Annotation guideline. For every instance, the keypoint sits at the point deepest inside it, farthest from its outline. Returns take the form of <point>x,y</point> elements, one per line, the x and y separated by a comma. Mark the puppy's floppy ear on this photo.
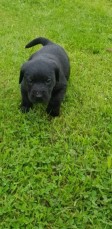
<point>23,67</point>
<point>57,74</point>
<point>21,75</point>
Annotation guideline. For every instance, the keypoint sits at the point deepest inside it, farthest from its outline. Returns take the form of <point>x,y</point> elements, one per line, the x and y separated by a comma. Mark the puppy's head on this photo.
<point>38,79</point>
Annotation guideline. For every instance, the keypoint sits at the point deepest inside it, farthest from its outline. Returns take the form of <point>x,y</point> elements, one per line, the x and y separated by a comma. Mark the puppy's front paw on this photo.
<point>52,111</point>
<point>24,109</point>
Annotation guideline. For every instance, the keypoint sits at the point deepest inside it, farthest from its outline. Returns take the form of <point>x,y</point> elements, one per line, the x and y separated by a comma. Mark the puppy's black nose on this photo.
<point>38,95</point>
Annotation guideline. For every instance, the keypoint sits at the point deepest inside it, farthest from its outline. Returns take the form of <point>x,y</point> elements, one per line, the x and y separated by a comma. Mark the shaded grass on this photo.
<point>56,173</point>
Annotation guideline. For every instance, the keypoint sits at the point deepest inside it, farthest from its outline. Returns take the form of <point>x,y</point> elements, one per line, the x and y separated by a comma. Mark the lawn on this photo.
<point>56,172</point>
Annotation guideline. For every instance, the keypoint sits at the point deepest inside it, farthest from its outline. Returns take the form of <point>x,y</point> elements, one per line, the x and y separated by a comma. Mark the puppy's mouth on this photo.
<point>39,98</point>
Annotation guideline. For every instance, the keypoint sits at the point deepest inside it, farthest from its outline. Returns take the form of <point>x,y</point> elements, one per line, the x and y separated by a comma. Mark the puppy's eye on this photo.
<point>48,81</point>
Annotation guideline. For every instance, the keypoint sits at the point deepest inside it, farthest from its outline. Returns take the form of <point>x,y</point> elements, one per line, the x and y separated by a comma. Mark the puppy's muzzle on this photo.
<point>38,96</point>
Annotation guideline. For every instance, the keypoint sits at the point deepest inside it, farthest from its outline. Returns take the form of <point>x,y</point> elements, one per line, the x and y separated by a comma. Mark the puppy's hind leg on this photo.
<point>25,103</point>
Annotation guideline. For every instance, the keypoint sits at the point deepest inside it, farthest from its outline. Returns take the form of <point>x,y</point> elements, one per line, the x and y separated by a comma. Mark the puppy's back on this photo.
<point>51,51</point>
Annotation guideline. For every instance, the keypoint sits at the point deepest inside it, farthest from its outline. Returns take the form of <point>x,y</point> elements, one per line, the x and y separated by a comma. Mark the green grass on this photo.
<point>56,173</point>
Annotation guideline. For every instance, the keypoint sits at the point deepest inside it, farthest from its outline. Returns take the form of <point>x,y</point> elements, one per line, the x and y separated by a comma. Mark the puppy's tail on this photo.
<point>39,40</point>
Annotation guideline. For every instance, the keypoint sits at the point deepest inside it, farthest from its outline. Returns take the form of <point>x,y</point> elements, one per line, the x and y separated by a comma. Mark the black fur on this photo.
<point>44,76</point>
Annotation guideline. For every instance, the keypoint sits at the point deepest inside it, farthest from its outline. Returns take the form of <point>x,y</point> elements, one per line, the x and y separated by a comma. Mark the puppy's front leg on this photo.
<point>25,104</point>
<point>53,107</point>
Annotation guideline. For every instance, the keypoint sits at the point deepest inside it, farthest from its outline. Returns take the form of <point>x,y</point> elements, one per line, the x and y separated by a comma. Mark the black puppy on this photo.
<point>44,76</point>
